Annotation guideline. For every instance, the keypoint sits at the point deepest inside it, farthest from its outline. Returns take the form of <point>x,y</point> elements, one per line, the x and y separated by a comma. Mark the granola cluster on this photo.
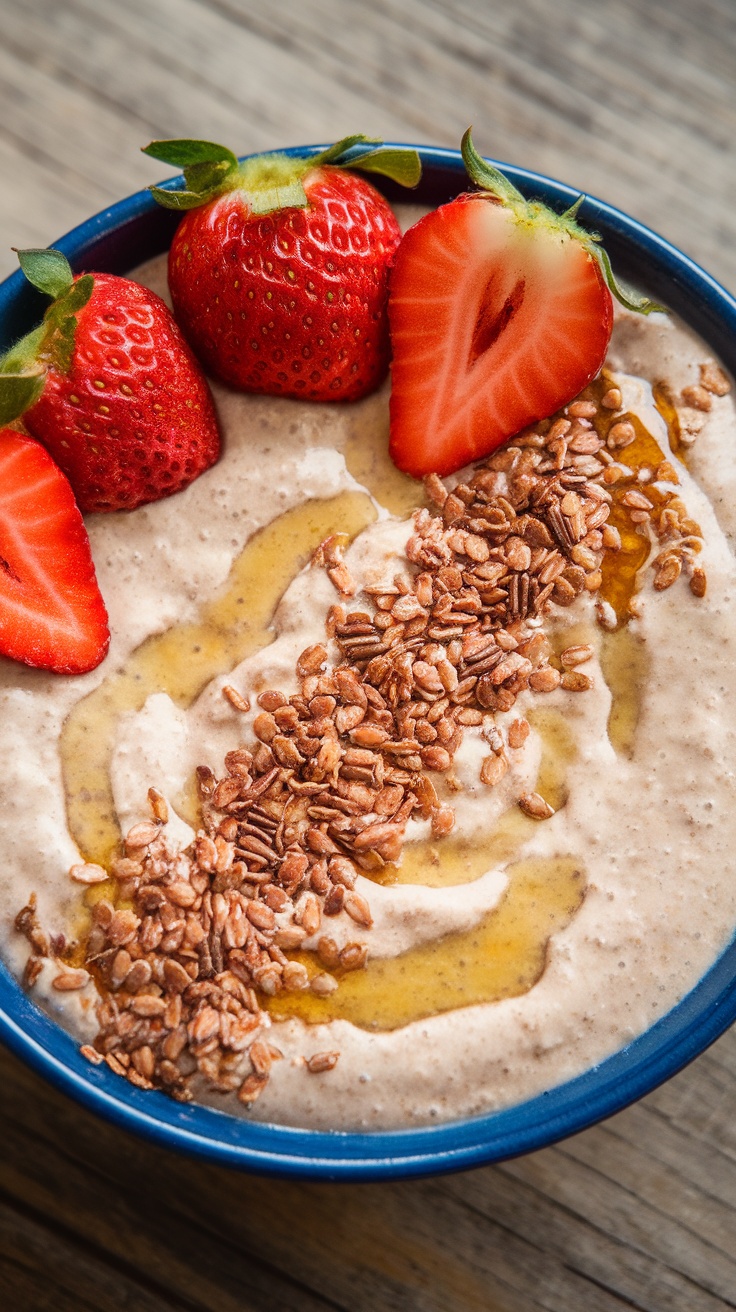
<point>195,942</point>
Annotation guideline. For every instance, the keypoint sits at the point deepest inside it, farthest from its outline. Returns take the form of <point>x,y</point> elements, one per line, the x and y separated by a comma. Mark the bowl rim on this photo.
<point>679,1036</point>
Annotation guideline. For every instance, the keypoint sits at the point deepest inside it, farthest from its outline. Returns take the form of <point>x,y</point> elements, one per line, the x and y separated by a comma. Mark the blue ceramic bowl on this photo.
<point>116,240</point>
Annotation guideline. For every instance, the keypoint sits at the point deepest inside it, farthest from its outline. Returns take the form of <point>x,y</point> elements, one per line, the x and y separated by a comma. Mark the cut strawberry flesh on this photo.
<point>496,321</point>
<point>51,612</point>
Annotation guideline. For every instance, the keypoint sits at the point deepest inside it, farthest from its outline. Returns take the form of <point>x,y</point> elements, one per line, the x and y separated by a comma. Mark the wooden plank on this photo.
<point>450,1244</point>
<point>566,91</point>
<point>532,102</point>
<point>39,205</point>
<point>704,1110</point>
<point>196,1226</point>
<point>111,1195</point>
<point>45,1271</point>
<point>604,1235</point>
<point>700,1165</point>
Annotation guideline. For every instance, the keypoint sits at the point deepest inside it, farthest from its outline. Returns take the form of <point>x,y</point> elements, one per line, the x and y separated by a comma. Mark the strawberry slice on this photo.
<point>500,312</point>
<point>51,612</point>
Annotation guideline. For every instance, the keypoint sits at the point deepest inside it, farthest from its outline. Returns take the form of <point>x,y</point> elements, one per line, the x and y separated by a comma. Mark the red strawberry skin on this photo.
<point>52,615</point>
<point>133,420</point>
<point>291,303</point>
<point>496,322</point>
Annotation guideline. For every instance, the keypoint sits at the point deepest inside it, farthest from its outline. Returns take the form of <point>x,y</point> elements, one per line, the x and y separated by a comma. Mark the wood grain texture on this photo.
<point>631,100</point>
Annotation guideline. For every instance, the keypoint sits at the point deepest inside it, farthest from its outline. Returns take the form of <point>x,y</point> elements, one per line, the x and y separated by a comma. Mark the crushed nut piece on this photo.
<point>697,397</point>
<point>714,380</point>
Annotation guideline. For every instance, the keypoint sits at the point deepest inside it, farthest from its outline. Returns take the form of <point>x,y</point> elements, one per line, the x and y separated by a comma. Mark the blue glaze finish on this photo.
<point>116,240</point>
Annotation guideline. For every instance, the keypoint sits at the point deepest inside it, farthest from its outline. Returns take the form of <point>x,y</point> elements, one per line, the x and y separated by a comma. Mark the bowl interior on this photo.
<point>117,240</point>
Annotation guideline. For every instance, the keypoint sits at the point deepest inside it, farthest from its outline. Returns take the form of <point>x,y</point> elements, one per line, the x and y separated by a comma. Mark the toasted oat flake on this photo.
<point>141,835</point>
<point>698,397</point>
<point>698,582</point>
<point>574,681</point>
<point>92,1055</point>
<point>493,770</point>
<point>518,733</point>
<point>235,698</point>
<point>322,1061</point>
<point>621,434</point>
<point>578,655</point>
<point>88,873</point>
<point>533,805</point>
<point>159,805</point>
<point>667,572</point>
<point>69,981</point>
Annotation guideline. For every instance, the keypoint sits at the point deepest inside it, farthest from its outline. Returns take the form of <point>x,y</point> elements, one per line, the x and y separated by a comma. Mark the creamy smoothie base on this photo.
<point>516,951</point>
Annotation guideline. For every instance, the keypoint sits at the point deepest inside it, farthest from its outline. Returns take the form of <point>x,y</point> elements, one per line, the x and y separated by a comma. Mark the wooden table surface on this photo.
<point>632,100</point>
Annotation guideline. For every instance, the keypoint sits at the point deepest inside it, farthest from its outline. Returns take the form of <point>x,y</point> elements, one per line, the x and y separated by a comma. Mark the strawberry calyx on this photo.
<point>274,181</point>
<point>23,369</point>
<point>491,180</point>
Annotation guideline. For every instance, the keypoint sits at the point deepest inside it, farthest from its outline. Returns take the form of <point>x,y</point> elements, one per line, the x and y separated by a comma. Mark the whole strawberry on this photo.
<point>279,271</point>
<point>110,387</point>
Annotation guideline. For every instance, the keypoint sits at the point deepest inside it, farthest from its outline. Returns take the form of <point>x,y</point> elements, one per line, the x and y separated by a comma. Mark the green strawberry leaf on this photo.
<point>79,294</point>
<point>23,367</point>
<point>271,181</point>
<point>60,324</point>
<point>572,212</point>
<point>630,299</point>
<point>22,357</point>
<point>204,178</point>
<point>18,392</point>
<point>487,177</point>
<point>60,342</point>
<point>183,152</point>
<point>181,200</point>
<point>48,270</point>
<point>333,153</point>
<point>402,166</point>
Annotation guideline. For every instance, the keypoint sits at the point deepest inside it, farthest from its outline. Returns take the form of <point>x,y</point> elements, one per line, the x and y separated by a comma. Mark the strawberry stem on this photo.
<point>490,179</point>
<point>630,299</point>
<point>275,181</point>
<point>487,177</point>
<point>23,368</point>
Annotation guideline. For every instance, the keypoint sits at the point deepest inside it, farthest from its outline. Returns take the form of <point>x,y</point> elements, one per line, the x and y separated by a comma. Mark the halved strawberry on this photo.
<point>51,612</point>
<point>500,312</point>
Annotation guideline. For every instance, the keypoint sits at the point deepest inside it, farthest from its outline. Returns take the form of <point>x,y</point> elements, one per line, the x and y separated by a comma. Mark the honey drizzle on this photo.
<point>625,665</point>
<point>502,956</point>
<point>365,449</point>
<point>182,660</point>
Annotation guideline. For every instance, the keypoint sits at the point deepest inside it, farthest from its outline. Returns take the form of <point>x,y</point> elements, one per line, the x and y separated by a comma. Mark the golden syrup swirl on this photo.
<point>182,661</point>
<point>502,956</point>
